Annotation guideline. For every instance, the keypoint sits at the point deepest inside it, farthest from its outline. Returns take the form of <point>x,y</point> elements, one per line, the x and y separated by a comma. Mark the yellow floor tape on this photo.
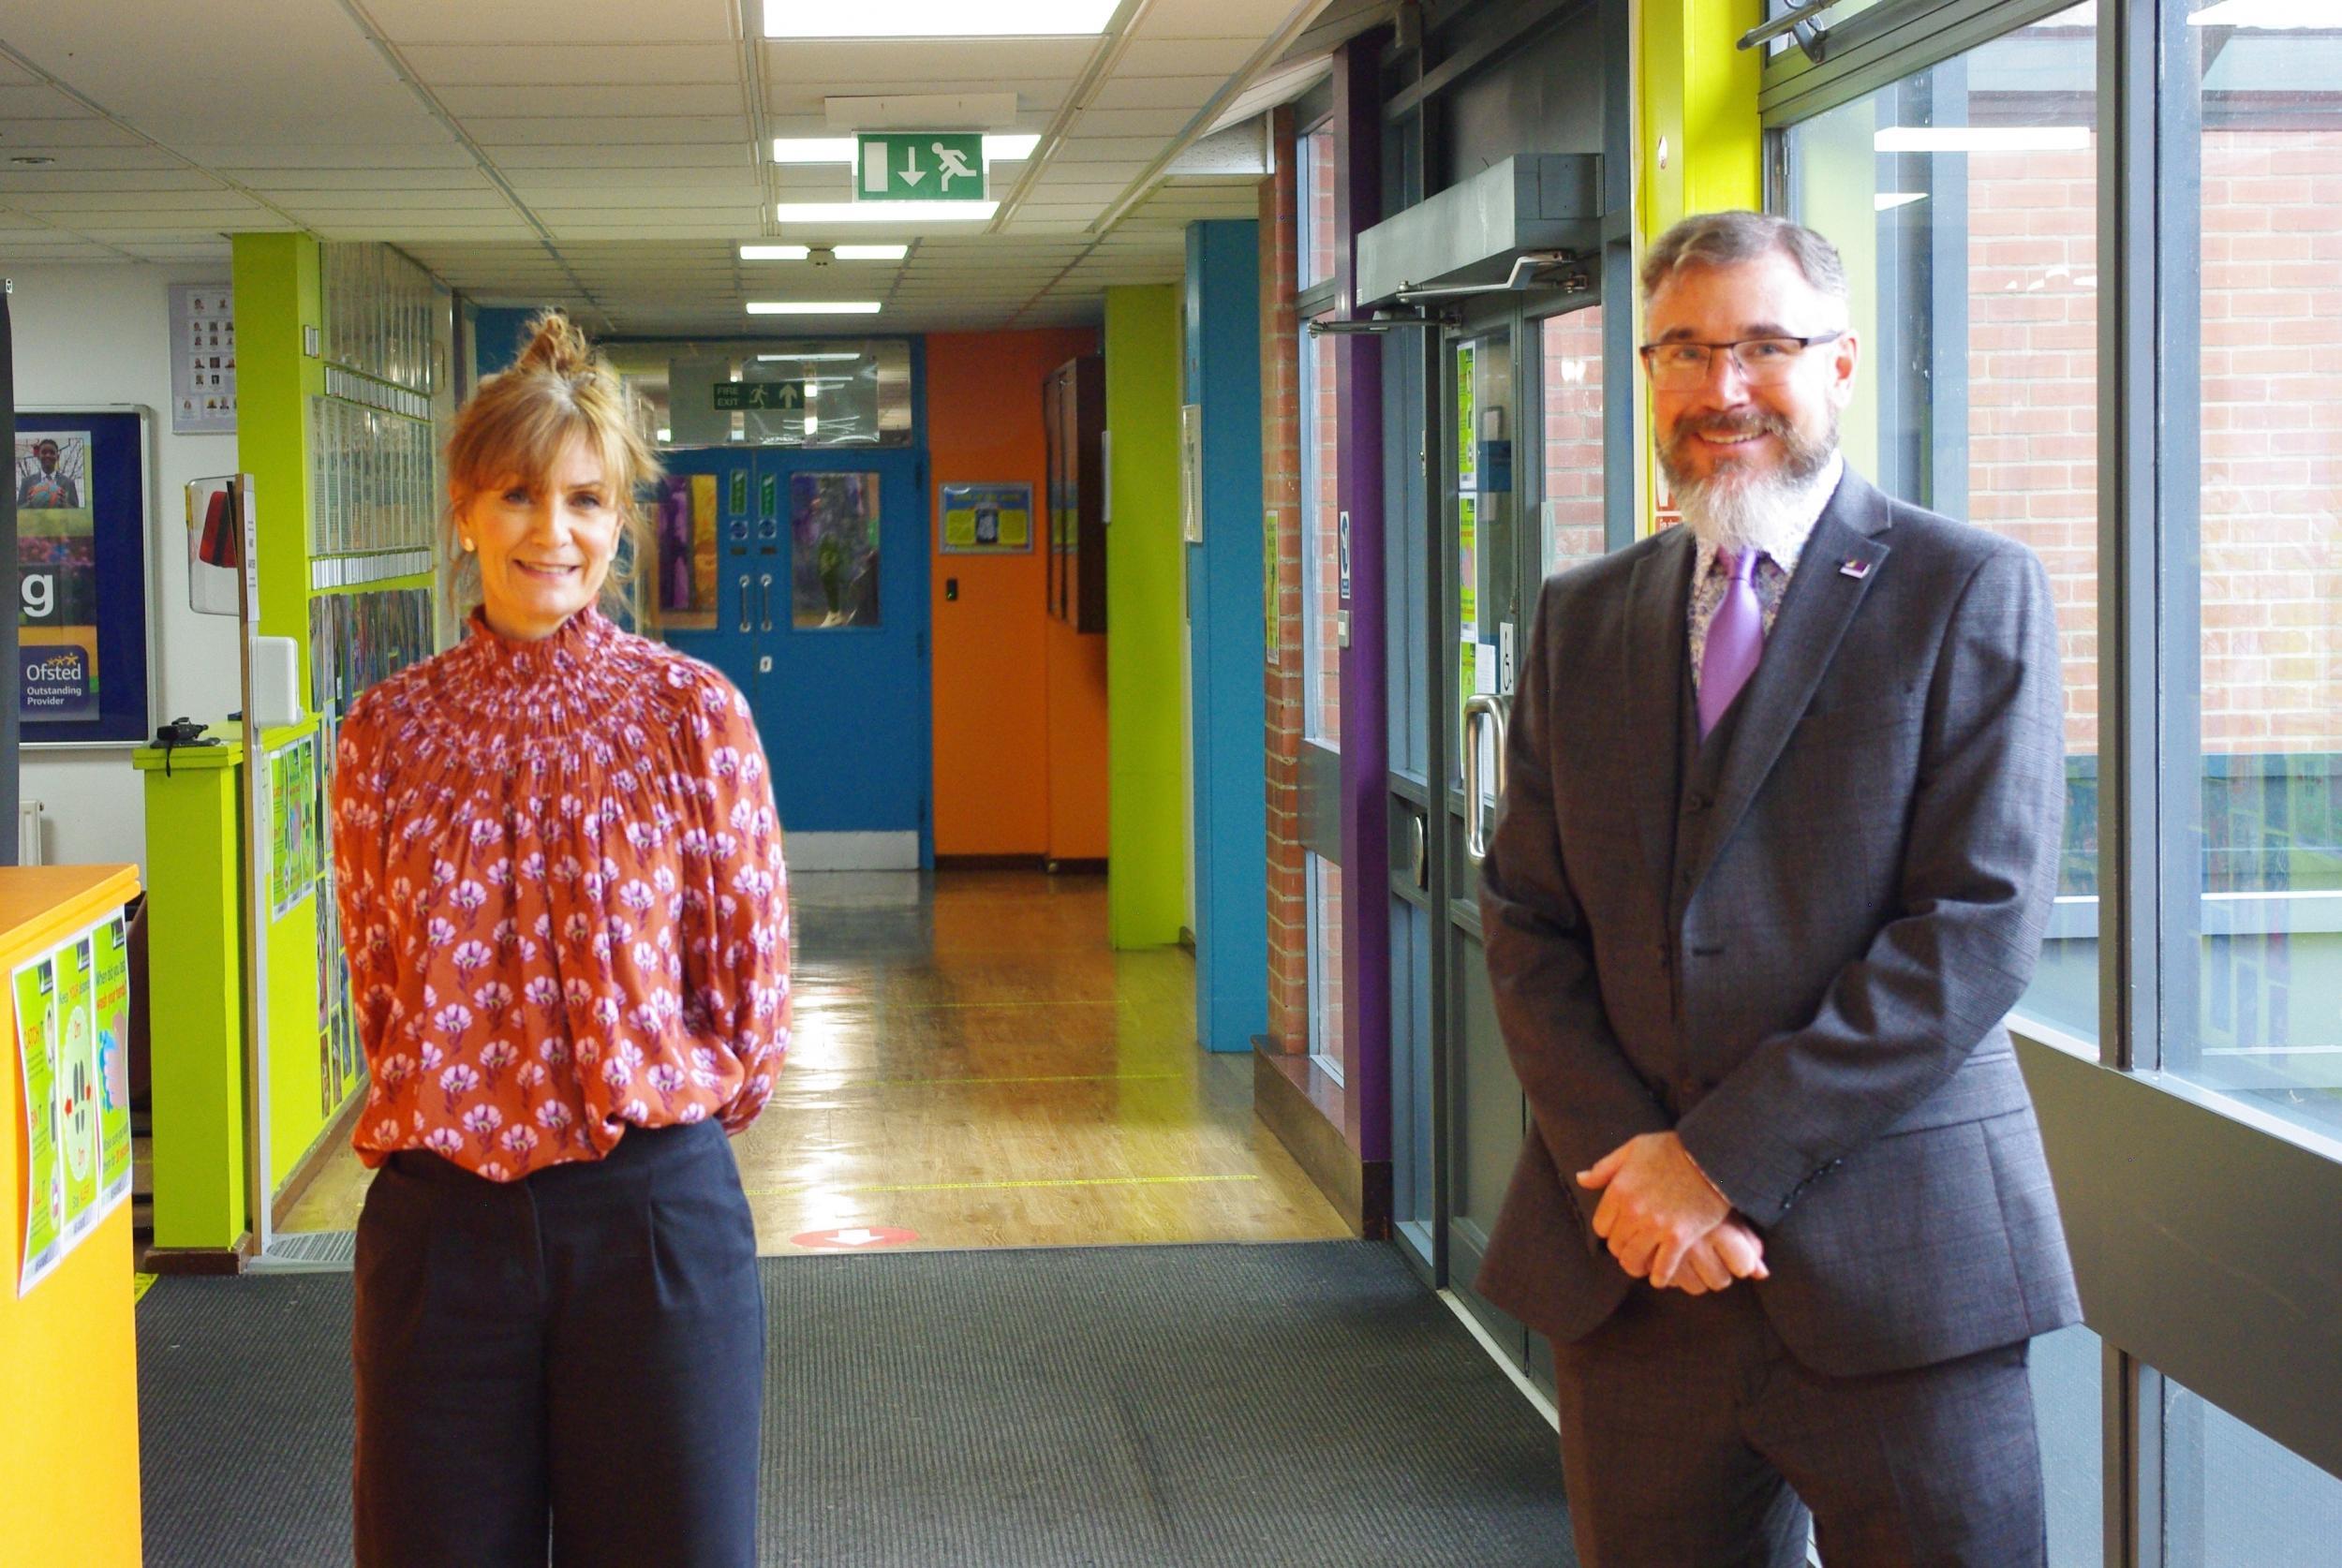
<point>140,1285</point>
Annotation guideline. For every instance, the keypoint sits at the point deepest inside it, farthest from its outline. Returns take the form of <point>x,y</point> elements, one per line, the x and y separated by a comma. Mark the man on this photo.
<point>1776,855</point>
<point>46,489</point>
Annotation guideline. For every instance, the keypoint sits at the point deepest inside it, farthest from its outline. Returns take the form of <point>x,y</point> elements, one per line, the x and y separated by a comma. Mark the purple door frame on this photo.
<point>1358,124</point>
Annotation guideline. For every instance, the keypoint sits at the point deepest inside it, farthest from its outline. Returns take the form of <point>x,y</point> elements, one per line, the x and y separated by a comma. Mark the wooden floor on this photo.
<point>972,1064</point>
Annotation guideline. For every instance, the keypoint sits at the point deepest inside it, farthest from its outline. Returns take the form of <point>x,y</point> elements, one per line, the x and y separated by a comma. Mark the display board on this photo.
<point>986,520</point>
<point>82,569</point>
<point>72,1041</point>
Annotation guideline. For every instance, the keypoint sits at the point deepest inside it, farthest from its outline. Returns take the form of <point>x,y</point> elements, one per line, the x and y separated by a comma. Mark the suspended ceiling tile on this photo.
<point>1250,20</point>
<point>527,23</point>
<point>38,181</point>
<point>448,154</point>
<point>35,99</point>
<point>614,103</point>
<point>45,135</point>
<point>1108,149</point>
<point>626,154</point>
<point>130,158</point>
<point>61,250</point>
<point>1025,223</point>
<point>1159,56</point>
<point>800,108</point>
<point>194,71</point>
<point>726,130</point>
<point>176,201</point>
<point>297,183</point>
<point>585,70</point>
<point>939,65</point>
<point>1188,93</point>
<point>1159,124</point>
<point>214,250</point>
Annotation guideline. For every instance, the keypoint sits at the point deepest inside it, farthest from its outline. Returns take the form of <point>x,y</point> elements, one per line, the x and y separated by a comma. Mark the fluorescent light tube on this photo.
<point>813,149</point>
<point>1886,200</point>
<point>807,359</point>
<point>937,19</point>
<point>843,253</point>
<point>1983,138</point>
<point>885,212</point>
<point>813,307</point>
<point>2271,15</point>
<point>1009,149</point>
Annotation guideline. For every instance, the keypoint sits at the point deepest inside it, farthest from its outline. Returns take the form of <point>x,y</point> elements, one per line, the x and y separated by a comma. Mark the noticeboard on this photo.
<point>82,569</point>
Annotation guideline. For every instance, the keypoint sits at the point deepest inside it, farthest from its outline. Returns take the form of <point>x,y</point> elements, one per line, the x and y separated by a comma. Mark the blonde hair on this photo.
<point>516,425</point>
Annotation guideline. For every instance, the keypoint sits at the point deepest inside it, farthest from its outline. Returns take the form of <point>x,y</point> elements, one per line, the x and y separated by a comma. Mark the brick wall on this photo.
<point>1280,502</point>
<point>2270,408</point>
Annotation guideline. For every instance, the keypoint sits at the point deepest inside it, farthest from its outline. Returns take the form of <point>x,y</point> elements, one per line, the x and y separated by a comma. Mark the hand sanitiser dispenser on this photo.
<point>276,681</point>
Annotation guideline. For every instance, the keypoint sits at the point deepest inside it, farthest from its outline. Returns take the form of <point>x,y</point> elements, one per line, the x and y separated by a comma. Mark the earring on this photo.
<point>467,547</point>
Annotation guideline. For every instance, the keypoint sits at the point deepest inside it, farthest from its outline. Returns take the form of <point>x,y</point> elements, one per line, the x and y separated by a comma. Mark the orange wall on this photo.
<point>1020,702</point>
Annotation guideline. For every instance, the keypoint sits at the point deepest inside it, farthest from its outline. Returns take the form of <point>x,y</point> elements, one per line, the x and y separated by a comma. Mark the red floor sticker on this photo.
<point>855,1238</point>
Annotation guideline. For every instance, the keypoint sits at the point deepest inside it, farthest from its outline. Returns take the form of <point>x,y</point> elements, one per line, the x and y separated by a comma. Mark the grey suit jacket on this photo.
<point>1803,969</point>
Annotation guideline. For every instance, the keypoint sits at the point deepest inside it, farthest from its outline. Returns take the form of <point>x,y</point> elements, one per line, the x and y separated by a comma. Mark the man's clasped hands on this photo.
<point>1665,1221</point>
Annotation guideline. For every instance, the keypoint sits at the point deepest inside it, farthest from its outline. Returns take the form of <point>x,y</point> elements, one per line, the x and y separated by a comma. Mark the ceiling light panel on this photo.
<point>813,307</point>
<point>936,18</point>
<point>885,212</point>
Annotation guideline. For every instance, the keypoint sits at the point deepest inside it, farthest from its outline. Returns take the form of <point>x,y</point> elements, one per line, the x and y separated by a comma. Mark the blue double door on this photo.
<point>819,614</point>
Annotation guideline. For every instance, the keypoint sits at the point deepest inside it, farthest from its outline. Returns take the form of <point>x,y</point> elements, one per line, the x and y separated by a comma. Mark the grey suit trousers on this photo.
<point>1692,1439</point>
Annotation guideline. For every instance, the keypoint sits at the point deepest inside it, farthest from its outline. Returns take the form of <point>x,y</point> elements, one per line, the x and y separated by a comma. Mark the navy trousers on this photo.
<point>570,1364</point>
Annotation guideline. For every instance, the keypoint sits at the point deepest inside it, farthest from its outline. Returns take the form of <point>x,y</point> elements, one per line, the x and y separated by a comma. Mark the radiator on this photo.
<point>28,833</point>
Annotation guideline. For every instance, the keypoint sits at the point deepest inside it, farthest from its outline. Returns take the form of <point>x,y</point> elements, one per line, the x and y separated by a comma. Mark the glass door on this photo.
<point>1508,489</point>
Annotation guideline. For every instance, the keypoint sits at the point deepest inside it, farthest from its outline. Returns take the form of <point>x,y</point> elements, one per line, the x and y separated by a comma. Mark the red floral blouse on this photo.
<point>561,894</point>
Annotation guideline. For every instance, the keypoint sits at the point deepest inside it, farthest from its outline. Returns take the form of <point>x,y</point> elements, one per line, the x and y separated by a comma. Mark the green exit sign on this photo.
<point>789,396</point>
<point>920,166</point>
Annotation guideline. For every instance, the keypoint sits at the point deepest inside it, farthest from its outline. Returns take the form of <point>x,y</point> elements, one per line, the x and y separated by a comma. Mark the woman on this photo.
<point>561,893</point>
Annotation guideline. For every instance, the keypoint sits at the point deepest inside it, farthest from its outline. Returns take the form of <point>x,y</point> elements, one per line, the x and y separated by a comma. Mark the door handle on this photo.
<point>1490,710</point>
<point>765,592</point>
<point>744,602</point>
<point>1419,850</point>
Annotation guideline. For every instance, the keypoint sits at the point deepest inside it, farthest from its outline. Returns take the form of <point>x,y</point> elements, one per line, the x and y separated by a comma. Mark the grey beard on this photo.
<point>1765,513</point>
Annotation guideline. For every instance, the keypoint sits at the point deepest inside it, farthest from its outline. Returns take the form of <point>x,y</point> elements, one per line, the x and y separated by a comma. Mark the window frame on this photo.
<point>2188,1269</point>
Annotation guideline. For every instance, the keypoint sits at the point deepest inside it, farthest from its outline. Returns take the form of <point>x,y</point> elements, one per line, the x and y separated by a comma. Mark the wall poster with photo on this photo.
<point>81,481</point>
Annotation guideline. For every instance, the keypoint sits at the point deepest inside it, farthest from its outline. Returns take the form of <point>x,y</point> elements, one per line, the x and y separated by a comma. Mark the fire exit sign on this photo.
<point>920,166</point>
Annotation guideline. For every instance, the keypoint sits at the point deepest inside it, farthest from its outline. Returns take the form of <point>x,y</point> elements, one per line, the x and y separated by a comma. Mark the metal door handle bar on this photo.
<point>1485,708</point>
<point>744,602</point>
<point>765,591</point>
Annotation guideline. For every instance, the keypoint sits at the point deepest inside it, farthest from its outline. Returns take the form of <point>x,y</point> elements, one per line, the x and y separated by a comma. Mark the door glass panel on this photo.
<point>1324,916</point>
<point>1320,544</point>
<point>1481,496</point>
<point>834,550</point>
<point>688,523</point>
<point>1570,356</point>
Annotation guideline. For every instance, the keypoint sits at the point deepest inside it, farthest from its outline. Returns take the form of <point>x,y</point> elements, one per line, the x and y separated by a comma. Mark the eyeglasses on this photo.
<point>1762,361</point>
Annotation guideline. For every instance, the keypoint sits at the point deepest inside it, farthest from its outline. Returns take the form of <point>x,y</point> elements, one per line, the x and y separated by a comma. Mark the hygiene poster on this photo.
<point>987,519</point>
<point>76,1101</point>
<point>292,813</point>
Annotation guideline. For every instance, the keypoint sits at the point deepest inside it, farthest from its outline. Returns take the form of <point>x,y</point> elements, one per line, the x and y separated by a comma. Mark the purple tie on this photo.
<point>1736,640</point>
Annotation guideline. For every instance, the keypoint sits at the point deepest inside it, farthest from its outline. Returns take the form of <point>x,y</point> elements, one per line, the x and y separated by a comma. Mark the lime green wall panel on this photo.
<point>277,299</point>
<point>1146,790</point>
<point>195,973</point>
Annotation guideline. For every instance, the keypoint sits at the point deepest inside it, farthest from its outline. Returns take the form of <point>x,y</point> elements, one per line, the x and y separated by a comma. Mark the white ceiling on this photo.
<point>616,169</point>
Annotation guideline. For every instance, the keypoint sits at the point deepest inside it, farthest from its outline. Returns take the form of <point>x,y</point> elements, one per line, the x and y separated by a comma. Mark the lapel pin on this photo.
<point>1856,568</point>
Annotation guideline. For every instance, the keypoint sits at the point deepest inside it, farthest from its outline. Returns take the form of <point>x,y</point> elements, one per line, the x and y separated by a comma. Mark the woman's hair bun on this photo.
<point>557,346</point>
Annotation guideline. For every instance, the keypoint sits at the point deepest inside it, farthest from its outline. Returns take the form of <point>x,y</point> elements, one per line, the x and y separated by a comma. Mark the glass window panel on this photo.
<point>1317,194</point>
<point>1320,544</point>
<point>2069,1414</point>
<point>1487,592</point>
<point>834,550</point>
<point>2251,107</point>
<point>1571,355</point>
<point>1324,919</point>
<point>2235,1499</point>
<point>1964,201</point>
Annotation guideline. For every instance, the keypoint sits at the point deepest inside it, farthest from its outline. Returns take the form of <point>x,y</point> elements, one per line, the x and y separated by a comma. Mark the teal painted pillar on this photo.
<point>1145,795</point>
<point>1228,642</point>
